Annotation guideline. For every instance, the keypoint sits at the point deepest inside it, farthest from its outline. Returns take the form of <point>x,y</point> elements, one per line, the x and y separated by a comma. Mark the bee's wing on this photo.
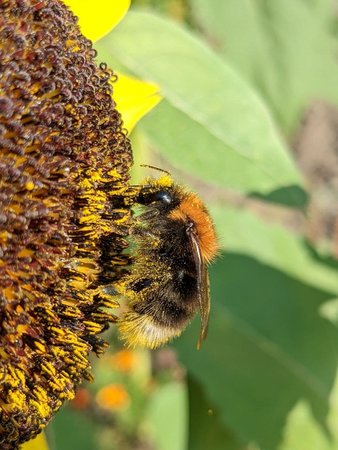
<point>202,287</point>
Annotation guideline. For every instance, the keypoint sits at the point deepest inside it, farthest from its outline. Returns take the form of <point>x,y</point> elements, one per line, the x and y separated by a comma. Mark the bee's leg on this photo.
<point>148,215</point>
<point>139,230</point>
<point>139,227</point>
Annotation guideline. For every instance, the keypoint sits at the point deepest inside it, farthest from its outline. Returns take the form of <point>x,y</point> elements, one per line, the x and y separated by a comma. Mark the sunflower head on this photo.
<point>64,211</point>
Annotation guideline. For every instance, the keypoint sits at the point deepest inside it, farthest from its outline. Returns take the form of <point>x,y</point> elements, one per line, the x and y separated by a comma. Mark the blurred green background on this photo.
<point>248,119</point>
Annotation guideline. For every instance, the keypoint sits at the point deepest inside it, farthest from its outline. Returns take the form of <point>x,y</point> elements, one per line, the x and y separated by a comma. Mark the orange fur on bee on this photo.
<point>192,208</point>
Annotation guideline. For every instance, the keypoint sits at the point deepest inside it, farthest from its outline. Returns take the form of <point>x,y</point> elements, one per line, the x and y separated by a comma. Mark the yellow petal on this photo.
<point>134,98</point>
<point>39,443</point>
<point>97,18</point>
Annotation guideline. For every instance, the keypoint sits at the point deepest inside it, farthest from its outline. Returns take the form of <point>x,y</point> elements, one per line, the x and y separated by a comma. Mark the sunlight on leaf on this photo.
<point>244,232</point>
<point>96,20</point>
<point>302,431</point>
<point>134,98</point>
<point>39,443</point>
<point>329,310</point>
<point>207,90</point>
<point>172,399</point>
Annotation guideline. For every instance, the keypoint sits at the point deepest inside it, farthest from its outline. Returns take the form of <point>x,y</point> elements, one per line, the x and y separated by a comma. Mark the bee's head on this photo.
<point>160,193</point>
<point>173,201</point>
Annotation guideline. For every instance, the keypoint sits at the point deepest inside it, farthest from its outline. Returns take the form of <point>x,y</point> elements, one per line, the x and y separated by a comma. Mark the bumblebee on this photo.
<point>168,278</point>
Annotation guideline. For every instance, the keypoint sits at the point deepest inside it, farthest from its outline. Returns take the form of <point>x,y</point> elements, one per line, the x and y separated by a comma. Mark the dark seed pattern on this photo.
<point>64,211</point>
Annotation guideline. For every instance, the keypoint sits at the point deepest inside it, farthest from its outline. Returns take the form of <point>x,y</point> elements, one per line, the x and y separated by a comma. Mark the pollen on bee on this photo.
<point>142,330</point>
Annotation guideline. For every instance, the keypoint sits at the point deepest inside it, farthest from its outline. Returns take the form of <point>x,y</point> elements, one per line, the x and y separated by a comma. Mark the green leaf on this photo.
<point>289,196</point>
<point>205,89</point>
<point>302,431</point>
<point>167,417</point>
<point>287,62</point>
<point>206,430</point>
<point>267,349</point>
<point>242,231</point>
<point>71,429</point>
<point>219,166</point>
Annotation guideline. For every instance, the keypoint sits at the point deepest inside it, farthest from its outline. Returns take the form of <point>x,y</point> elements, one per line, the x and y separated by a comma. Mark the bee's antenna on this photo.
<point>155,168</point>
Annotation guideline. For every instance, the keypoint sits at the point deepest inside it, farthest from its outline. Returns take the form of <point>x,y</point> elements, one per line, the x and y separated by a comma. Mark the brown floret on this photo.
<point>64,211</point>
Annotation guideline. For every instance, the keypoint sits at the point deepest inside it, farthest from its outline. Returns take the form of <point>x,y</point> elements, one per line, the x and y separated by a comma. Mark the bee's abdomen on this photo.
<point>157,318</point>
<point>185,284</point>
<point>167,310</point>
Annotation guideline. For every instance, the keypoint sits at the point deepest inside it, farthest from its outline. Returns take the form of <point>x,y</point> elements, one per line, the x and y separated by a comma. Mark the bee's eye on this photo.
<point>163,197</point>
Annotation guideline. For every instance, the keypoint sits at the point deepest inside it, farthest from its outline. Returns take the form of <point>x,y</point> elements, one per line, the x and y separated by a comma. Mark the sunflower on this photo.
<point>64,209</point>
